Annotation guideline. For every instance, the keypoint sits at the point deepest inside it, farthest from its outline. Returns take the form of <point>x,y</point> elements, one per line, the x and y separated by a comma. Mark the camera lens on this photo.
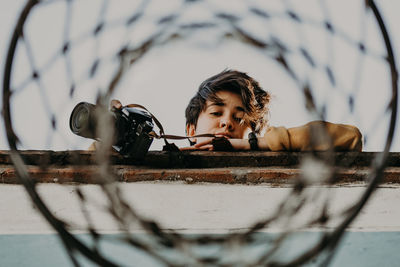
<point>81,120</point>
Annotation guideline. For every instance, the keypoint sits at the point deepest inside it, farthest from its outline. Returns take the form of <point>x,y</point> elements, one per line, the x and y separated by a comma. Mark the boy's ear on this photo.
<point>191,131</point>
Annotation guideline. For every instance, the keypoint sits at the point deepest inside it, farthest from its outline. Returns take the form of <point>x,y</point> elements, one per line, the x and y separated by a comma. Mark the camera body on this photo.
<point>131,128</point>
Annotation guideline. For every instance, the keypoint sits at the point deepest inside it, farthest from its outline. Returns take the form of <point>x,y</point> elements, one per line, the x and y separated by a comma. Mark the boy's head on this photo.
<point>229,104</point>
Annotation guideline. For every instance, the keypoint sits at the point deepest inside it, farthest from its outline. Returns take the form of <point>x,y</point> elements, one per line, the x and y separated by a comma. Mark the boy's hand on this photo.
<point>115,103</point>
<point>210,145</point>
<point>203,145</point>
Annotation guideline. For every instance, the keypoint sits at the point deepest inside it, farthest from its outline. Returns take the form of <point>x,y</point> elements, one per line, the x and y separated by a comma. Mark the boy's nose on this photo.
<point>226,123</point>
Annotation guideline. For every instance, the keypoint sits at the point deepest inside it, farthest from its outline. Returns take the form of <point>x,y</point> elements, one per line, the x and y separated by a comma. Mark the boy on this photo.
<point>231,105</point>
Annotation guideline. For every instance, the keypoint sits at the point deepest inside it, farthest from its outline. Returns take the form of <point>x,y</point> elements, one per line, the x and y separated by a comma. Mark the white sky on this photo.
<point>168,76</point>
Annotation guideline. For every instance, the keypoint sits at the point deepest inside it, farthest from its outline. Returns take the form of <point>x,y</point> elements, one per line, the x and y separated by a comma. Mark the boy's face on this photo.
<point>222,118</point>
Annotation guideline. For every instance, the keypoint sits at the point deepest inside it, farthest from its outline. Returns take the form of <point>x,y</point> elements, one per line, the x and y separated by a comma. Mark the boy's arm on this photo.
<point>316,135</point>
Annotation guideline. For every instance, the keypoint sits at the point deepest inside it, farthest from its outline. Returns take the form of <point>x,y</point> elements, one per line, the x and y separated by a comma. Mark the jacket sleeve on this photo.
<point>316,135</point>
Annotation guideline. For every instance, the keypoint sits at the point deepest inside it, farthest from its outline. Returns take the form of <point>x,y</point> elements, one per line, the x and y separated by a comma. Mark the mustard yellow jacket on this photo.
<point>316,135</point>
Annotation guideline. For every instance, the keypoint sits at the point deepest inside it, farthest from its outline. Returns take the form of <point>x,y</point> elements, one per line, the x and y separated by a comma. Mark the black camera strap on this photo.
<point>168,146</point>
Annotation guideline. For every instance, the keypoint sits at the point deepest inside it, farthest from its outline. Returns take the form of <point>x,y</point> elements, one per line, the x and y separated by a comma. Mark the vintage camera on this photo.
<point>131,127</point>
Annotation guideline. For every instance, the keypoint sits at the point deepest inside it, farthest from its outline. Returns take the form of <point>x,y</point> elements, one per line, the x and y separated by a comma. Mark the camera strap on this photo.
<point>168,146</point>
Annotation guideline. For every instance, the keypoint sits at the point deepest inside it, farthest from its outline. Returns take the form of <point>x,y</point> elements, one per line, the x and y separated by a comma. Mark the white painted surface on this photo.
<point>194,208</point>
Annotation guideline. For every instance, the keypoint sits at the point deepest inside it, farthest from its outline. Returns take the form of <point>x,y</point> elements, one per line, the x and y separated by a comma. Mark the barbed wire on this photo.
<point>143,28</point>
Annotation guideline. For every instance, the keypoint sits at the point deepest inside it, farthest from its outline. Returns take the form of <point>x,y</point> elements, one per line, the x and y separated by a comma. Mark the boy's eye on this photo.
<point>216,113</point>
<point>239,116</point>
<point>237,119</point>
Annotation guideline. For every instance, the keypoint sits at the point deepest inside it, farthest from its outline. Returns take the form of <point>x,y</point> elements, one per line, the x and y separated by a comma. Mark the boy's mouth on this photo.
<point>226,135</point>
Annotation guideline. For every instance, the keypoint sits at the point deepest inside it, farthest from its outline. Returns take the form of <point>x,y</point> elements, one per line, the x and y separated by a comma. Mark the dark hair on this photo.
<point>254,98</point>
